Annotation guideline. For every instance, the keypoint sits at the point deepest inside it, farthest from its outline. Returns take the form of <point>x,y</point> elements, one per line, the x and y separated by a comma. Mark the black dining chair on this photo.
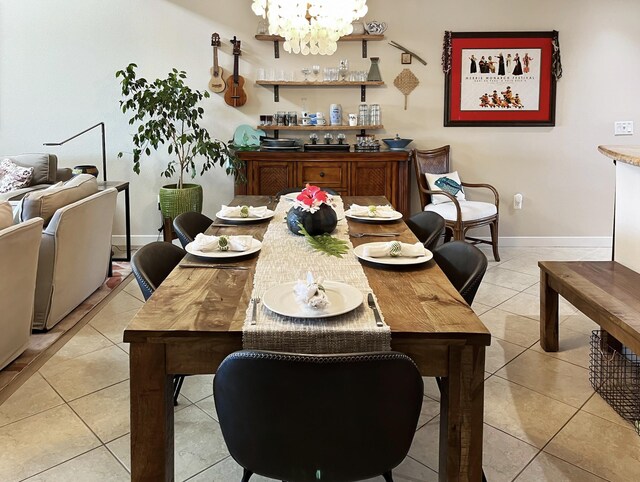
<point>188,225</point>
<point>318,417</point>
<point>151,264</point>
<point>464,265</point>
<point>428,228</point>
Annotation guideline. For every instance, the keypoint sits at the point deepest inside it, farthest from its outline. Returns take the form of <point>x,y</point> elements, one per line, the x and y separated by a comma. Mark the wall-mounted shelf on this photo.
<point>276,39</point>
<point>313,83</point>
<point>276,129</point>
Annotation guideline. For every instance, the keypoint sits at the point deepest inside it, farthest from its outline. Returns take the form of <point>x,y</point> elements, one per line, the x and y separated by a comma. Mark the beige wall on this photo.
<point>59,57</point>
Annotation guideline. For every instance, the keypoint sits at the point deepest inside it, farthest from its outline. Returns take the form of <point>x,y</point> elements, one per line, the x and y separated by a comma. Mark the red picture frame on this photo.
<point>500,79</point>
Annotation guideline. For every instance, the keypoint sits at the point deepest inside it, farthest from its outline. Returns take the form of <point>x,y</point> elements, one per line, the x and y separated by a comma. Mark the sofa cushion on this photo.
<point>13,176</point>
<point>6,215</point>
<point>44,166</point>
<point>45,202</point>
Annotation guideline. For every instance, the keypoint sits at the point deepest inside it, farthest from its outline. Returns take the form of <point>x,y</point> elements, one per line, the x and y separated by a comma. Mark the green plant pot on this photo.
<point>174,201</point>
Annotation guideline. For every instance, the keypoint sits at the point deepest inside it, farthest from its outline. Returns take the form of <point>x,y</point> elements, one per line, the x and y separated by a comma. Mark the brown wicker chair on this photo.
<point>459,216</point>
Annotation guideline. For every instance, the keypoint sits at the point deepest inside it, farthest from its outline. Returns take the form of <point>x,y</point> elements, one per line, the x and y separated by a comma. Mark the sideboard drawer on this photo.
<point>326,174</point>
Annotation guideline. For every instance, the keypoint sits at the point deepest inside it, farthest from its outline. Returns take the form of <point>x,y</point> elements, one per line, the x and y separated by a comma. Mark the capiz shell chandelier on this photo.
<point>310,26</point>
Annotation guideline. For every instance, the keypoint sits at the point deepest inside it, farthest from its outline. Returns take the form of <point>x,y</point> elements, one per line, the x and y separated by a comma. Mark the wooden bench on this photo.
<point>605,291</point>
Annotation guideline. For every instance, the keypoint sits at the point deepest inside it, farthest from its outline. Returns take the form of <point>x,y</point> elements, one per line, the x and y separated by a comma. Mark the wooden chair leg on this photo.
<point>448,234</point>
<point>246,475</point>
<point>387,477</point>
<point>494,239</point>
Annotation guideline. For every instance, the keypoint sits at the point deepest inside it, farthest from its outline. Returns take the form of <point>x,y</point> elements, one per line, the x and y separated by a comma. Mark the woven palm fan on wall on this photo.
<point>406,81</point>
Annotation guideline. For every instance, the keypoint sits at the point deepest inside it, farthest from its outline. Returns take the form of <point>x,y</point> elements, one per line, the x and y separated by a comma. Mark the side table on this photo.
<point>121,186</point>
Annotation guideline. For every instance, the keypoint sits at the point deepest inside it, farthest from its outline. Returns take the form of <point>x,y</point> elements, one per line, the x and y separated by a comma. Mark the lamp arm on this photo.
<point>104,147</point>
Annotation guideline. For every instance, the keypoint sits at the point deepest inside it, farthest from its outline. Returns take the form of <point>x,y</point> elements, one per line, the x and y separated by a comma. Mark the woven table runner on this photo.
<point>286,257</point>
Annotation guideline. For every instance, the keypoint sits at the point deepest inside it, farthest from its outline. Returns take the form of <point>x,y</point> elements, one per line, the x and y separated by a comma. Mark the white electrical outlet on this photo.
<point>623,128</point>
<point>517,201</point>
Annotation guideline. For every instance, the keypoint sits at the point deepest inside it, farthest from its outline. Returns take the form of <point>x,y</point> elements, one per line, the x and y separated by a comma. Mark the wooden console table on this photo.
<point>383,173</point>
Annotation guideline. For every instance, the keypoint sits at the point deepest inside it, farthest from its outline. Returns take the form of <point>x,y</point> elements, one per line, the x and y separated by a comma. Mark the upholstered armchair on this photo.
<point>74,256</point>
<point>460,214</point>
<point>19,246</point>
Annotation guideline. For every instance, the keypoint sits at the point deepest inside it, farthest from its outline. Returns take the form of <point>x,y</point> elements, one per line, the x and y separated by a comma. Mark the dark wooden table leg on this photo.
<point>151,414</point>
<point>548,315</point>
<point>461,415</point>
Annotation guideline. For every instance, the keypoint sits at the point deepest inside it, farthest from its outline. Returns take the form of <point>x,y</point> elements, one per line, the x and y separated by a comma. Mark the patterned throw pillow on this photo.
<point>13,177</point>
<point>449,182</point>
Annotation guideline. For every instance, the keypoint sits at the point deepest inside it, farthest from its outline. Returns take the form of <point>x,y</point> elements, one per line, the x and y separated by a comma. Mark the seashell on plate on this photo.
<point>375,28</point>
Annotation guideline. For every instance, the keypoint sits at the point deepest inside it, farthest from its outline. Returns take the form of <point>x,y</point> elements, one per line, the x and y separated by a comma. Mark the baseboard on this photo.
<point>524,241</point>
<point>555,241</point>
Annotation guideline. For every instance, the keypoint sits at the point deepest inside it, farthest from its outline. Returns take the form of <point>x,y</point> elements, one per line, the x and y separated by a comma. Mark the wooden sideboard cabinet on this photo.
<point>349,173</point>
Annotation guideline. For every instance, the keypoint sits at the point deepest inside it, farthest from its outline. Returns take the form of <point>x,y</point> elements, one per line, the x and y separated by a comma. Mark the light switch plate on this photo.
<point>623,128</point>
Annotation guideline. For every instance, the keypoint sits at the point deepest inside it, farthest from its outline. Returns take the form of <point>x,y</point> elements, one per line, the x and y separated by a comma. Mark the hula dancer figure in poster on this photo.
<point>474,68</point>
<point>517,70</point>
<point>526,60</point>
<point>501,70</point>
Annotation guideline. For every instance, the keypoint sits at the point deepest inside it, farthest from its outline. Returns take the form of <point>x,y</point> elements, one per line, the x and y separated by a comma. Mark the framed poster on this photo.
<point>500,78</point>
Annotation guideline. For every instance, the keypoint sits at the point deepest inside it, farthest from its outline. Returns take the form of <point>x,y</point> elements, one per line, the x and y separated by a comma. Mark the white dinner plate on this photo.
<point>291,196</point>
<point>398,260</point>
<point>245,220</point>
<point>255,247</point>
<point>368,219</point>
<point>343,298</point>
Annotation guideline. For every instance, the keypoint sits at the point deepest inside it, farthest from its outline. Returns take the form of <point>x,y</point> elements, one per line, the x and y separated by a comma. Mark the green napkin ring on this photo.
<point>244,212</point>
<point>223,243</point>
<point>395,250</point>
<point>372,210</point>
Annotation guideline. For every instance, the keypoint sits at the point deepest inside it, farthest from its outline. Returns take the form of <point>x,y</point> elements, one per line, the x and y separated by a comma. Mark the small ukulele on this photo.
<point>235,96</point>
<point>217,83</point>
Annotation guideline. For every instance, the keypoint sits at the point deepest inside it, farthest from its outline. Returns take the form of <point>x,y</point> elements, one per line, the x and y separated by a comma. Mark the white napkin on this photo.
<point>311,292</point>
<point>394,249</point>
<point>207,243</point>
<point>243,211</point>
<point>371,211</point>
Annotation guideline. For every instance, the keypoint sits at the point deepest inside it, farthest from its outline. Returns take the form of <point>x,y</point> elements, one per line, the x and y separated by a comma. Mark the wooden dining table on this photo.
<point>195,318</point>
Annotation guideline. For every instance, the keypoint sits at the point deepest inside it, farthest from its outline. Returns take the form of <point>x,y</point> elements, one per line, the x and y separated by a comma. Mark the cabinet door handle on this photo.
<point>321,173</point>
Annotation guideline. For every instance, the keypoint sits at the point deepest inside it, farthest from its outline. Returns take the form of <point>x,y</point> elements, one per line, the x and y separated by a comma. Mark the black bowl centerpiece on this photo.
<point>312,210</point>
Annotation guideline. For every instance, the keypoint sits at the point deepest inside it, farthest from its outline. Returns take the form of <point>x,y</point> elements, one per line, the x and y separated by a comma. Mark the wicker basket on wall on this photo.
<point>174,201</point>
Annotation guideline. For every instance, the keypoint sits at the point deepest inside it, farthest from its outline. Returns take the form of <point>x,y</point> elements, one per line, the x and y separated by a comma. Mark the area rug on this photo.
<point>43,345</point>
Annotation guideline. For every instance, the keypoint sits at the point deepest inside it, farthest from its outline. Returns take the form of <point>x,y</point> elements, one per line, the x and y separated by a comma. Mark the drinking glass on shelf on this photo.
<point>316,70</point>
<point>306,71</point>
<point>343,69</point>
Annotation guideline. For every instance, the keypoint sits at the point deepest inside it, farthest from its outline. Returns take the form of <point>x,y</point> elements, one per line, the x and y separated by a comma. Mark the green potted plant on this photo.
<point>168,114</point>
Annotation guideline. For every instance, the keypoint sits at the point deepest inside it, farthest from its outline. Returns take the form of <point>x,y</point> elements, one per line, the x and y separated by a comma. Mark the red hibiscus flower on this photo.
<point>312,196</point>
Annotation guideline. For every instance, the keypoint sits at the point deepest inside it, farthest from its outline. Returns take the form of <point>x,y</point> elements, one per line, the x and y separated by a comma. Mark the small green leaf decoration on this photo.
<point>326,243</point>
<point>244,212</point>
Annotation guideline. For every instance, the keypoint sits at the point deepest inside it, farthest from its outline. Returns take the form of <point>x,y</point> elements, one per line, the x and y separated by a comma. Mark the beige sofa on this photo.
<point>19,246</point>
<point>75,251</point>
<point>45,173</point>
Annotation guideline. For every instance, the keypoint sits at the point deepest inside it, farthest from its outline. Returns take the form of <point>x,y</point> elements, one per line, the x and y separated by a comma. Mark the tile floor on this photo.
<point>70,421</point>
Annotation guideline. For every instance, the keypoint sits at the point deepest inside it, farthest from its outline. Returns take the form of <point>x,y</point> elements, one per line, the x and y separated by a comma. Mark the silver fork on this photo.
<point>362,235</point>
<point>254,309</point>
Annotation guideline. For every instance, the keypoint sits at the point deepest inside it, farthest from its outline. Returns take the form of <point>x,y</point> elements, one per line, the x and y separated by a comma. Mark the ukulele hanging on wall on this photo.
<point>235,95</point>
<point>217,83</point>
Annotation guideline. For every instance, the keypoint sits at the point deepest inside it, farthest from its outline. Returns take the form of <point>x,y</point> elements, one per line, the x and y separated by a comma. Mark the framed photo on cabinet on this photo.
<point>500,78</point>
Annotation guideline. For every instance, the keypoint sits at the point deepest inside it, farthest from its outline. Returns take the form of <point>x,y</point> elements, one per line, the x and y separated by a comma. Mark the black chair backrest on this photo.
<point>152,263</point>
<point>318,417</point>
<point>464,265</point>
<point>188,225</point>
<point>428,228</point>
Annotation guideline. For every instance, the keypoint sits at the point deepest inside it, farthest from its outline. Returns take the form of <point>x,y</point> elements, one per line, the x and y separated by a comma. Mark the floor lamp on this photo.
<point>104,148</point>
